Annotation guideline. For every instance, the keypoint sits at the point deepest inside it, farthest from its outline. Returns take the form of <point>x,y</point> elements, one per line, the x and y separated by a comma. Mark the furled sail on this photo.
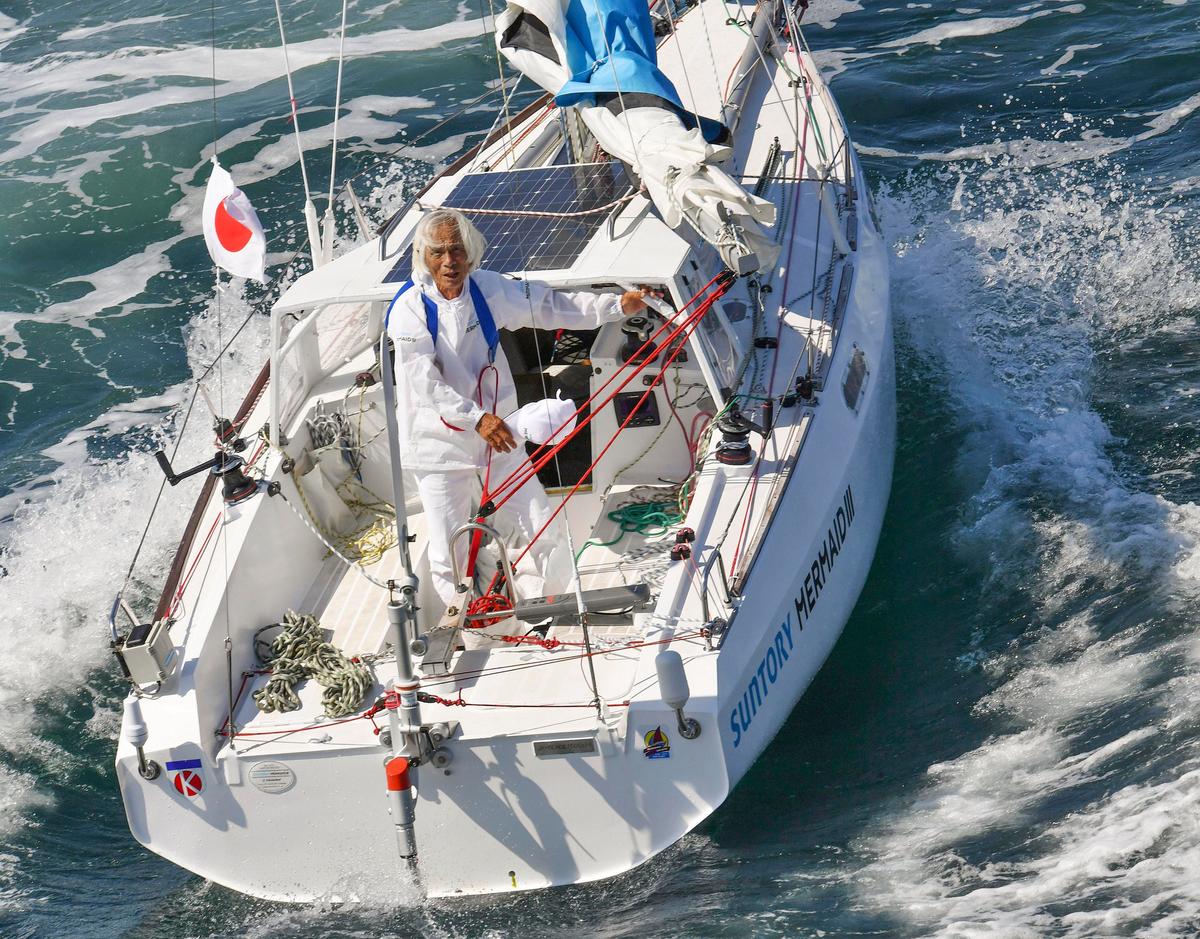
<point>600,57</point>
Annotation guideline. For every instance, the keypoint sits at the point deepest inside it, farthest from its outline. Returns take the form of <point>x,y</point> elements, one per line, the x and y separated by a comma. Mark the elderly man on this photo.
<point>454,387</point>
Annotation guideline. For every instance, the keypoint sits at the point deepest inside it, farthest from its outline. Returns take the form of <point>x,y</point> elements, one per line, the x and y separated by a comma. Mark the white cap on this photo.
<point>136,731</point>
<point>538,420</point>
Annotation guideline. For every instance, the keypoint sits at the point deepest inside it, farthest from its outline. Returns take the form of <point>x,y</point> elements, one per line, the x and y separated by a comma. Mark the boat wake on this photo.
<point>1028,299</point>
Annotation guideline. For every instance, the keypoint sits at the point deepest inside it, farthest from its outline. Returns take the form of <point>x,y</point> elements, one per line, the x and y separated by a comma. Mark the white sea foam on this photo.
<point>833,62</point>
<point>82,32</point>
<point>238,70</point>
<point>10,29</point>
<point>828,12</point>
<point>1031,152</point>
<point>1067,56</point>
<point>10,416</point>
<point>67,540</point>
<point>964,29</point>
<point>112,288</point>
<point>1008,286</point>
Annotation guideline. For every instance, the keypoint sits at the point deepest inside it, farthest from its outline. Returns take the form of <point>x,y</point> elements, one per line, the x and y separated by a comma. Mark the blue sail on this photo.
<point>611,50</point>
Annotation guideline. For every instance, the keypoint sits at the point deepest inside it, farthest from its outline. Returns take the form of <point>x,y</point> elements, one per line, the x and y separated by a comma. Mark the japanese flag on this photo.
<point>231,227</point>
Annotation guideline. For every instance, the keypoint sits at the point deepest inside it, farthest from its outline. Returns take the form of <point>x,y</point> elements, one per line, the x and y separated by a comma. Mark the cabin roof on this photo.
<point>598,247</point>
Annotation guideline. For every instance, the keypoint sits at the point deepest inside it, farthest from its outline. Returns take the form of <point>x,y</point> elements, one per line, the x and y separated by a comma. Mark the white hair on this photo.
<point>423,238</point>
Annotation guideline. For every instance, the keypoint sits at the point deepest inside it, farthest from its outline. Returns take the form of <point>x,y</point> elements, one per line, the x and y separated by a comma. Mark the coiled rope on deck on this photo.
<point>300,652</point>
<point>649,519</point>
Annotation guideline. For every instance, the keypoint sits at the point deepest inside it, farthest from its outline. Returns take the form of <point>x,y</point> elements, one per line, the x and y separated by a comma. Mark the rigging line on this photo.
<point>712,59</point>
<point>617,82</point>
<point>221,394</point>
<point>564,523</point>
<point>502,89</point>
<point>669,6</point>
<point>830,106</point>
<point>771,78</point>
<point>212,15</point>
<point>751,486</point>
<point>467,105</point>
<point>801,151</point>
<point>500,71</point>
<point>690,326</point>
<point>797,40</point>
<point>287,67</point>
<point>337,105</point>
<point>540,459</point>
<point>529,213</point>
<point>541,456</point>
<point>532,125</point>
<point>558,659</point>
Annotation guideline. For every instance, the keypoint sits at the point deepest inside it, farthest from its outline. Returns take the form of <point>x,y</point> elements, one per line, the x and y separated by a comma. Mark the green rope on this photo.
<point>642,518</point>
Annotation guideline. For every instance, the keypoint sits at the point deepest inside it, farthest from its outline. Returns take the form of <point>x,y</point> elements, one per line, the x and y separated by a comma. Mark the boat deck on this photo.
<point>491,675</point>
<point>351,608</point>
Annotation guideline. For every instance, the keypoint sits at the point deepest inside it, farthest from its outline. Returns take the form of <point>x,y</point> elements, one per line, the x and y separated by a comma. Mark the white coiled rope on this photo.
<point>300,652</point>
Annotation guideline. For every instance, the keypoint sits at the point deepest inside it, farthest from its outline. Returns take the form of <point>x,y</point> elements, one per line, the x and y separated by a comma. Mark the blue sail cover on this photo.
<point>600,57</point>
<point>594,27</point>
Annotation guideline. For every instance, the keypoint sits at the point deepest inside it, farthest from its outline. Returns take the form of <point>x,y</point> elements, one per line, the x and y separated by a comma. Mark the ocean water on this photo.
<point>1005,741</point>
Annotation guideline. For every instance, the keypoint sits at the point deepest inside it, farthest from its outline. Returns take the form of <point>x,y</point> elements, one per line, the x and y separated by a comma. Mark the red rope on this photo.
<point>426,698</point>
<point>547,644</point>
<point>488,603</point>
<point>538,459</point>
<point>477,535</point>
<point>191,570</point>
<point>690,325</point>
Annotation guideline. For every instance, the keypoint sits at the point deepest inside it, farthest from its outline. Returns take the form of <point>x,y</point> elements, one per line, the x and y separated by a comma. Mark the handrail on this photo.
<point>487,530</point>
<point>714,558</point>
<point>304,331</point>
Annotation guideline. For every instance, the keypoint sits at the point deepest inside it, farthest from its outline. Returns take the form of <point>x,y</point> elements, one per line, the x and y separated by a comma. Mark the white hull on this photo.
<point>506,816</point>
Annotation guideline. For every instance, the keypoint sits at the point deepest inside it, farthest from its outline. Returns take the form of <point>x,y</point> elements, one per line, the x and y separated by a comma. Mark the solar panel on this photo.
<point>519,242</point>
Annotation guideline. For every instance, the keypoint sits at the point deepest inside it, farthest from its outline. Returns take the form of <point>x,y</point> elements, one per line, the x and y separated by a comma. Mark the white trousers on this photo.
<point>448,499</point>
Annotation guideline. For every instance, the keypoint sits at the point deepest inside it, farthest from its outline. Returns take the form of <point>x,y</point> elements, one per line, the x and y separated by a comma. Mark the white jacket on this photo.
<point>436,404</point>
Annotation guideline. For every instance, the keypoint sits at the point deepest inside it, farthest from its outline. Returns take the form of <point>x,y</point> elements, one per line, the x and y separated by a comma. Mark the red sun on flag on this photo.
<point>232,234</point>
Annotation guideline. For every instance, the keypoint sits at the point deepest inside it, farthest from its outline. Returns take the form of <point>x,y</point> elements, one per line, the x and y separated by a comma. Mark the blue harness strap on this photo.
<point>483,313</point>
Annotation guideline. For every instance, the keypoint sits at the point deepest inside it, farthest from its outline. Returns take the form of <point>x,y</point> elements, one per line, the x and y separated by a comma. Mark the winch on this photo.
<point>735,427</point>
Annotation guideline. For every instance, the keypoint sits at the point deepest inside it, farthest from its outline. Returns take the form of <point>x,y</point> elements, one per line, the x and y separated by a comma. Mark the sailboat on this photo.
<point>307,721</point>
